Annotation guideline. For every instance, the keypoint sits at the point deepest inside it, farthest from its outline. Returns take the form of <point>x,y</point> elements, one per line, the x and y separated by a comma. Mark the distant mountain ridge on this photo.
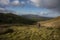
<point>36,17</point>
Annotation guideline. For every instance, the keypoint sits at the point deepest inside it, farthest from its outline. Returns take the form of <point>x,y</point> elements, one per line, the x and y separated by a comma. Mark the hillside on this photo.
<point>51,23</point>
<point>36,17</point>
<point>10,18</point>
<point>27,32</point>
<point>30,33</point>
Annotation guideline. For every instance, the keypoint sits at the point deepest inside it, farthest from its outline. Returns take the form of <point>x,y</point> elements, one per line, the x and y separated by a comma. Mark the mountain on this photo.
<point>10,18</point>
<point>51,23</point>
<point>36,17</point>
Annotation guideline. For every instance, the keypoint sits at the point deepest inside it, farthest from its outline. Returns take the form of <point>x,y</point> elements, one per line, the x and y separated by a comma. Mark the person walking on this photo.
<point>38,25</point>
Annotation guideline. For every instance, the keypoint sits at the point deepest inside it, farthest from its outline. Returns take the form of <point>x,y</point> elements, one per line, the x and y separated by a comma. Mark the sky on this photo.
<point>47,8</point>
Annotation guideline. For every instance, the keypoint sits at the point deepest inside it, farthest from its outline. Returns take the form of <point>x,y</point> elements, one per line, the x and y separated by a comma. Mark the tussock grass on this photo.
<point>32,33</point>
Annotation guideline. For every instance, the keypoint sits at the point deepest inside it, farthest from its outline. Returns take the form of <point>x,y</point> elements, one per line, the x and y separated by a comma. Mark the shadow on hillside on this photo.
<point>6,31</point>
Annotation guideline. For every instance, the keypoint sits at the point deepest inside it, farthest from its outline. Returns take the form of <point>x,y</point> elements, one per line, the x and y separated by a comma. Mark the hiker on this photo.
<point>39,25</point>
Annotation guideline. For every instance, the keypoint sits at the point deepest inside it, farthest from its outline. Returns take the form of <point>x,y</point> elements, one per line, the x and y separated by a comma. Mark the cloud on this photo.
<point>15,3</point>
<point>52,5</point>
<point>49,13</point>
<point>4,2</point>
<point>35,2</point>
<point>22,2</point>
<point>46,3</point>
<point>2,8</point>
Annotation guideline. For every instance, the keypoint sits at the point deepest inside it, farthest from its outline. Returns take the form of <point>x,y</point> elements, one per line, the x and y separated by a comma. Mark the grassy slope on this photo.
<point>57,19</point>
<point>31,33</point>
<point>51,23</point>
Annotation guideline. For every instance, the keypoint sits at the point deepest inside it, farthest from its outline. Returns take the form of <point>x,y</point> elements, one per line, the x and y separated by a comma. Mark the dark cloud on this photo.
<point>47,3</point>
<point>51,3</point>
